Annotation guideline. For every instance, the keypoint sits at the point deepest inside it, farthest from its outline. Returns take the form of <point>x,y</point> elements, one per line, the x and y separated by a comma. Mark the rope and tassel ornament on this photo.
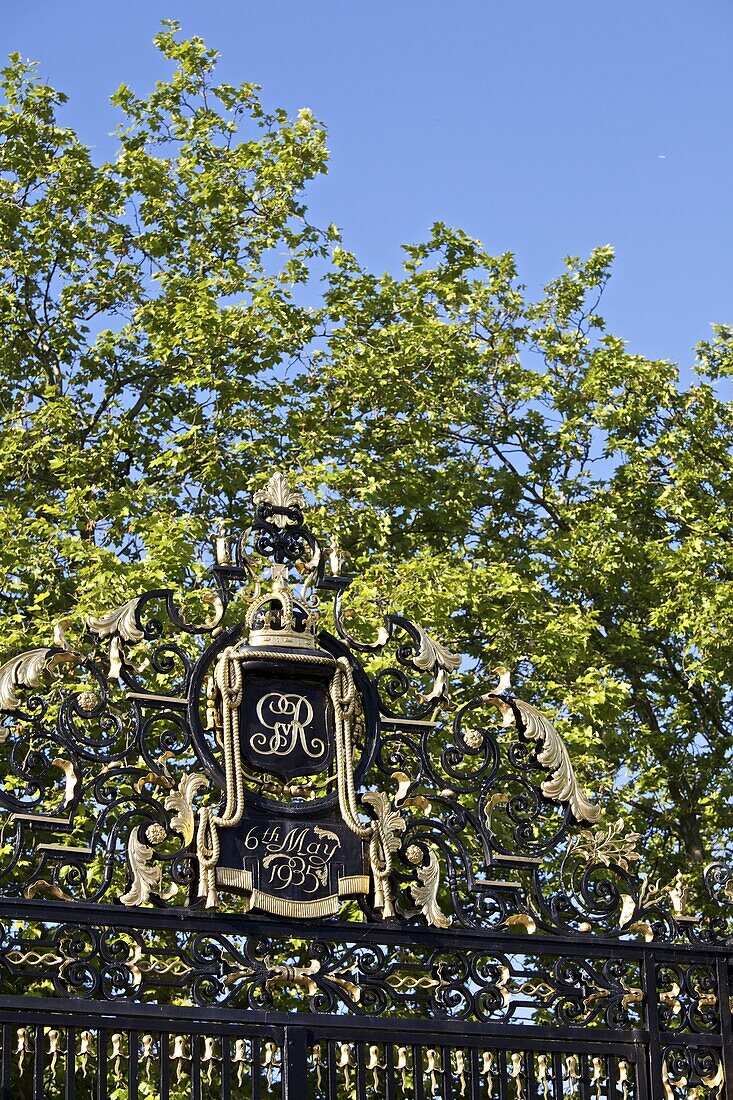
<point>230,682</point>
<point>344,698</point>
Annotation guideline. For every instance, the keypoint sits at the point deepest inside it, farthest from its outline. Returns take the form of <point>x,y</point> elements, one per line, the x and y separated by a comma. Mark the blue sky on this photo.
<point>540,127</point>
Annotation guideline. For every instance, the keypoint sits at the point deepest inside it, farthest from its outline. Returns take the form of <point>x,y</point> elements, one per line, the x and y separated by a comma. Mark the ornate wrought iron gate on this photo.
<point>251,858</point>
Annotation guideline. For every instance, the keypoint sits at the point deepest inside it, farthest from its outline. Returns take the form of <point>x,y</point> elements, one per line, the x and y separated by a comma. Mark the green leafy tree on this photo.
<point>503,469</point>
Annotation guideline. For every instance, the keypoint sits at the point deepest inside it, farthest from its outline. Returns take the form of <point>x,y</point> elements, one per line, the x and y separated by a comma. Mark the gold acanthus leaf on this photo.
<point>563,785</point>
<point>426,895</point>
<point>391,822</point>
<point>181,801</point>
<point>26,671</point>
<point>146,878</point>
<point>433,657</point>
<point>121,621</point>
<point>522,920</point>
<point>41,886</point>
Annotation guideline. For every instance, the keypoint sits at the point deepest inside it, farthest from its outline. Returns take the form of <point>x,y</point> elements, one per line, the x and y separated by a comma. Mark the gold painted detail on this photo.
<point>120,621</point>
<point>146,877</point>
<point>433,657</point>
<point>516,1071</point>
<point>26,671</point>
<point>402,1066</point>
<point>425,895</point>
<point>286,717</point>
<point>181,801</point>
<point>681,1086</point>
<point>434,1067</point>
<point>614,845</point>
<point>382,846</point>
<point>319,1064</point>
<point>229,681</point>
<point>563,784</point>
<point>460,1059</point>
<point>542,1075</point>
<point>522,920</point>
<point>598,1077</point>
<point>373,1066</point>
<point>278,493</point>
<point>41,887</point>
<point>346,1063</point>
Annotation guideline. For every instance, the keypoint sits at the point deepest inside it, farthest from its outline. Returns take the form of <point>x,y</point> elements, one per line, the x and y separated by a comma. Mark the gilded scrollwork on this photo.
<point>563,785</point>
<point>121,621</point>
<point>489,828</point>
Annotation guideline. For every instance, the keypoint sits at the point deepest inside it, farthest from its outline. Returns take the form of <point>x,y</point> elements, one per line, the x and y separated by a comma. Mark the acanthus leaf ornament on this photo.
<point>425,895</point>
<point>563,785</point>
<point>433,657</point>
<point>26,671</point>
<point>147,877</point>
<point>120,621</point>
<point>181,800</point>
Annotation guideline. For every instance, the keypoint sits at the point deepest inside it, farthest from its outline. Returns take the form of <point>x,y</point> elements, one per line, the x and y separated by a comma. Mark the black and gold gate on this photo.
<point>251,858</point>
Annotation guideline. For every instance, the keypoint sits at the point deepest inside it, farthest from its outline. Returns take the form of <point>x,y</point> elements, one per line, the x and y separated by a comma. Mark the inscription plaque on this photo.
<point>293,867</point>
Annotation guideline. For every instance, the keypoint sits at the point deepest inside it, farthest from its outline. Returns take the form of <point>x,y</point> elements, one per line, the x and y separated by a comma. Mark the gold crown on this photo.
<point>277,618</point>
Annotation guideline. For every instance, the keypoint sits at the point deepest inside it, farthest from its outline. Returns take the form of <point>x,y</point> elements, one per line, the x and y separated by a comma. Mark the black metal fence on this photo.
<point>354,1012</point>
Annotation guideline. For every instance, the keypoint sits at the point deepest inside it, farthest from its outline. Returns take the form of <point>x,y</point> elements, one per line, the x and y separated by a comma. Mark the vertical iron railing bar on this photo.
<point>255,1067</point>
<point>195,1067</point>
<point>102,1064</point>
<point>132,1065</point>
<point>726,1023</point>
<point>226,1068</point>
<point>584,1077</point>
<point>651,1004</point>
<point>640,1067</point>
<point>557,1075</point>
<point>38,1062</point>
<point>295,1064</point>
<point>70,1064</point>
<point>418,1086</point>
<point>165,1066</point>
<point>7,1062</point>
<point>475,1074</point>
<point>389,1071</point>
<point>333,1087</point>
<point>361,1087</point>
<point>530,1073</point>
<point>503,1076</point>
<point>446,1072</point>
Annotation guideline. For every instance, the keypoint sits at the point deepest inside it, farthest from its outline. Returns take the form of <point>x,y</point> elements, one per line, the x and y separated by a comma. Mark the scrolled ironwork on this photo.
<point>229,805</point>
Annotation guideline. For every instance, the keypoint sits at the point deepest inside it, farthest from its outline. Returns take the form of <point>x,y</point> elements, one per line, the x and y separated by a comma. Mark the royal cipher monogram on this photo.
<point>286,718</point>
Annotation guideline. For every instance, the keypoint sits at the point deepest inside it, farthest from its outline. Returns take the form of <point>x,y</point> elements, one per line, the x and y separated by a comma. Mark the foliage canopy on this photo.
<point>173,326</point>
